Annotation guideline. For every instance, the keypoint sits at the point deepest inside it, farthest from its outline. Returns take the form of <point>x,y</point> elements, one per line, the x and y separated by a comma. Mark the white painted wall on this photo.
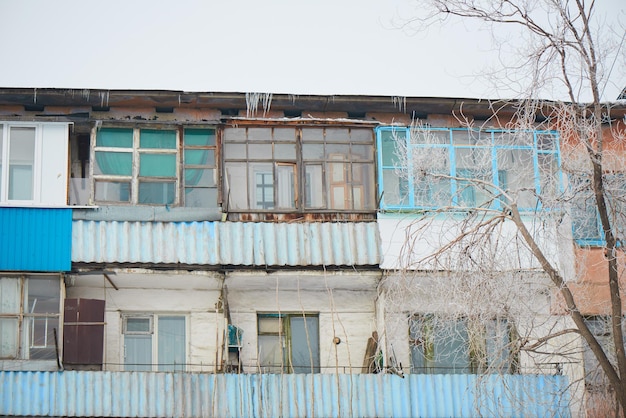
<point>344,301</point>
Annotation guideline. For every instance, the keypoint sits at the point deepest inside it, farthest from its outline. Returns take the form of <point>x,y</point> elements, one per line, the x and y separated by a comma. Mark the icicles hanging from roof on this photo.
<point>253,100</point>
<point>400,103</point>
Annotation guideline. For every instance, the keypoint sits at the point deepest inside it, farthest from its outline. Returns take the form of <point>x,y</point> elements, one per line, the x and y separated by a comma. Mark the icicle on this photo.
<point>252,103</point>
<point>400,103</point>
<point>35,96</point>
<point>293,98</point>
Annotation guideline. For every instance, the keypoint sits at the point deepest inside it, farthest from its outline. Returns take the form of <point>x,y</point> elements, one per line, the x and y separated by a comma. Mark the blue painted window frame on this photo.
<point>489,143</point>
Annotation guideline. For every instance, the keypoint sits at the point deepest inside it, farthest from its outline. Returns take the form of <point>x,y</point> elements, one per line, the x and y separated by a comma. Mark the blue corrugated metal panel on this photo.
<point>228,243</point>
<point>35,239</point>
<point>248,395</point>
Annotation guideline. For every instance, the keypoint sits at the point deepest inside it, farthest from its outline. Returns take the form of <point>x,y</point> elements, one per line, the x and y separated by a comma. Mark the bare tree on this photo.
<point>564,50</point>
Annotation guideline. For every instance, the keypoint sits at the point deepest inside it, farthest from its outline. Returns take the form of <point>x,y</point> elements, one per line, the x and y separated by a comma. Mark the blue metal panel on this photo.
<point>35,239</point>
<point>145,394</point>
<point>227,243</point>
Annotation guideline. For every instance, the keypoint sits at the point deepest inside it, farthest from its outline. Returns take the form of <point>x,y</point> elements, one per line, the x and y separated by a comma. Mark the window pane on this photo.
<point>312,151</point>
<point>337,135</point>
<point>138,325</point>
<point>260,151</point>
<point>21,163</point>
<point>391,147</point>
<point>286,186</point>
<point>235,151</point>
<point>199,137</point>
<point>112,137</point>
<point>263,181</point>
<point>515,173</point>
<point>199,157</point>
<point>157,193</point>
<point>285,134</point>
<point>362,152</point>
<point>234,134</point>
<point>112,191</point>
<point>313,187</point>
<point>259,134</point>
<point>270,324</point>
<point>43,295</point>
<point>157,165</point>
<point>41,337</point>
<point>396,188</point>
<point>200,177</point>
<point>285,151</point>
<point>9,295</point>
<point>138,352</point>
<point>337,151</point>
<point>361,135</point>
<point>236,186</point>
<point>198,197</point>
<point>157,139</point>
<point>473,163</point>
<point>8,337</point>
<point>312,134</point>
<point>271,353</point>
<point>114,163</point>
<point>305,357</point>
<point>172,356</point>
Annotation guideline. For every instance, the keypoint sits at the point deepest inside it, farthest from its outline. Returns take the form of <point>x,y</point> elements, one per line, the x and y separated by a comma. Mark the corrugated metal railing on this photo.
<point>142,394</point>
<point>228,243</point>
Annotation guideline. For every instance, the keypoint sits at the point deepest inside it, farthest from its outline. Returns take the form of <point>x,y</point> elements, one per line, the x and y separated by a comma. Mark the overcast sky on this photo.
<point>289,46</point>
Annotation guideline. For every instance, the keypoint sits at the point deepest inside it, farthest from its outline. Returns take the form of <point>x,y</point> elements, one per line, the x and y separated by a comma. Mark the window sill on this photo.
<point>146,214</point>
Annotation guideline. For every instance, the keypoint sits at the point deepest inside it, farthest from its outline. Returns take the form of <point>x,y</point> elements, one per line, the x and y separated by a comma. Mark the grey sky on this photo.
<point>289,46</point>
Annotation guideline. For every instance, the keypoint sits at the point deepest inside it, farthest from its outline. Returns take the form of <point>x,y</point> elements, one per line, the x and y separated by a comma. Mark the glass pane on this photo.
<point>337,135</point>
<point>199,137</point>
<point>396,188</point>
<point>157,139</point>
<point>312,151</point>
<point>285,134</point>
<point>43,295</point>
<point>8,337</point>
<point>451,347</point>
<point>548,174</point>
<point>391,147</point>
<point>112,191</point>
<point>21,163</point>
<point>271,353</point>
<point>305,356</point>
<point>41,338</point>
<point>235,151</point>
<point>285,151</point>
<point>138,353</point>
<point>546,141</point>
<point>286,186</point>
<point>138,325</point>
<point>157,165</point>
<point>312,134</point>
<point>201,197</point>
<point>172,347</point>
<point>362,135</point>
<point>473,163</point>
<point>260,151</point>
<point>113,137</point>
<point>200,157</point>
<point>263,182</point>
<point>259,134</point>
<point>114,163</point>
<point>9,295</point>
<point>363,186</point>
<point>270,324</point>
<point>516,172</point>
<point>498,349</point>
<point>234,134</point>
<point>236,186</point>
<point>337,151</point>
<point>362,152</point>
<point>313,187</point>
<point>200,177</point>
<point>157,193</point>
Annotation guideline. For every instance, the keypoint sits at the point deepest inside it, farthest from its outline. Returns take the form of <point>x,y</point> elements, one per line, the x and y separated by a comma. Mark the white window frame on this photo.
<point>154,335</point>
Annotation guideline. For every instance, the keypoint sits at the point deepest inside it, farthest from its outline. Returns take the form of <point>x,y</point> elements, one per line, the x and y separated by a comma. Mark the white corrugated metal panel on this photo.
<point>226,243</point>
<point>141,394</point>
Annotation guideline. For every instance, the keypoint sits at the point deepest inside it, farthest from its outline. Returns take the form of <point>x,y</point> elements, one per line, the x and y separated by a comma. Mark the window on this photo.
<point>586,224</point>
<point>600,327</point>
<point>459,346</point>
<point>430,168</point>
<point>33,163</point>
<point>298,169</point>
<point>288,343</point>
<point>154,342</point>
<point>140,166</point>
<point>29,317</point>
